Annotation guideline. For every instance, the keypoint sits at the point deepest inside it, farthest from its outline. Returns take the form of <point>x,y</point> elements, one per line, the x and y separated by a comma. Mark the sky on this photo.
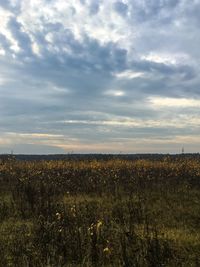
<point>99,76</point>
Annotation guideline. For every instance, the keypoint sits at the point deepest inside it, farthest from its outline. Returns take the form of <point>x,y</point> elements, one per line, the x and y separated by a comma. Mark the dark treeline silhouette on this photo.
<point>95,156</point>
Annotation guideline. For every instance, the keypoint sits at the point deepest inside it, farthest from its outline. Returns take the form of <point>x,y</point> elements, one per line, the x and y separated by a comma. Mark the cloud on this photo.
<point>161,11</point>
<point>22,38</point>
<point>121,8</point>
<point>174,102</point>
<point>128,74</point>
<point>102,75</point>
<point>94,7</point>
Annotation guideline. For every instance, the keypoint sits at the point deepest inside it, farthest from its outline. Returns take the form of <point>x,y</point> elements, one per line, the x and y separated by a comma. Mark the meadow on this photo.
<point>105,212</point>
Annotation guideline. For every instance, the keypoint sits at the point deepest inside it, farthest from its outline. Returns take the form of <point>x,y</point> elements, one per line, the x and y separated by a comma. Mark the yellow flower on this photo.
<point>106,250</point>
<point>99,224</point>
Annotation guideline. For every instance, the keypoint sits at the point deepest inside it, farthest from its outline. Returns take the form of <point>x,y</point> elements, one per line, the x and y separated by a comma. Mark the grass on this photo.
<point>100,213</point>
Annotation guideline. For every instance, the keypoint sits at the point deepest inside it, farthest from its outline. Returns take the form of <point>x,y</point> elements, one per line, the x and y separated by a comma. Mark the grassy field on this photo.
<point>100,213</point>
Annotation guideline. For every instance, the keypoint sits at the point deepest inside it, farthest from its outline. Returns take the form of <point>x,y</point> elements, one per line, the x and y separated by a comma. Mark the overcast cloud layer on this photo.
<point>99,76</point>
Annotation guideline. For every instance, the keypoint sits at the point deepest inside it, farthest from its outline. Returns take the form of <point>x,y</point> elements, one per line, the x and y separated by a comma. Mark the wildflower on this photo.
<point>73,210</point>
<point>58,215</point>
<point>91,229</point>
<point>106,250</point>
<point>99,224</point>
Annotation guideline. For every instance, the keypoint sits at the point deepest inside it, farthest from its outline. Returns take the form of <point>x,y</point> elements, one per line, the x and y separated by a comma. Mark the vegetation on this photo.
<point>100,212</point>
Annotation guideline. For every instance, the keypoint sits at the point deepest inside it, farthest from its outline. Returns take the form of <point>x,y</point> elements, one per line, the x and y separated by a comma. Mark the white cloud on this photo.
<point>4,19</point>
<point>2,52</point>
<point>166,58</point>
<point>178,122</point>
<point>163,102</point>
<point>2,81</point>
<point>115,93</point>
<point>36,49</point>
<point>128,74</point>
<point>35,135</point>
<point>105,26</point>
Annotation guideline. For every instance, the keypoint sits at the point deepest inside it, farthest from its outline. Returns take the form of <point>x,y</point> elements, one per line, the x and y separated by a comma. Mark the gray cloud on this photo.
<point>121,8</point>
<point>5,44</point>
<point>94,7</point>
<point>13,6</point>
<point>21,37</point>
<point>160,10</point>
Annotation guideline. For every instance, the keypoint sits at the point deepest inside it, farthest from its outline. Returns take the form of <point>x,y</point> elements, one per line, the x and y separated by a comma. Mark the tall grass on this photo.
<point>100,213</point>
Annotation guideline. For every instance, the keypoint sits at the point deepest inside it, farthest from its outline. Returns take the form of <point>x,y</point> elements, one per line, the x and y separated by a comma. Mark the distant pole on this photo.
<point>183,150</point>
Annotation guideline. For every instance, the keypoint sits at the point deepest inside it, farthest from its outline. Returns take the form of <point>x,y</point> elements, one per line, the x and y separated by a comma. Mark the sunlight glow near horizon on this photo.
<point>174,102</point>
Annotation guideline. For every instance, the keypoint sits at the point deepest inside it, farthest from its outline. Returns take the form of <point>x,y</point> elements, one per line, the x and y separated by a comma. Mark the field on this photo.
<point>105,212</point>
